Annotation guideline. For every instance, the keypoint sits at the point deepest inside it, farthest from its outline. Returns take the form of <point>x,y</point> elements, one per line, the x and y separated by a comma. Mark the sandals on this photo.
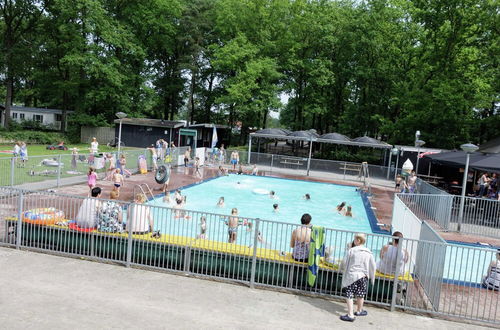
<point>347,318</point>
<point>362,313</point>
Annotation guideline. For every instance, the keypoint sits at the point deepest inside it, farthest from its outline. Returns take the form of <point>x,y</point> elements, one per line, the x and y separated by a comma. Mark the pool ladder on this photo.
<point>143,186</point>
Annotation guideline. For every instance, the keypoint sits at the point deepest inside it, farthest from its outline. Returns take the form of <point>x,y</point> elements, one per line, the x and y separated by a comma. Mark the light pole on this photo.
<point>394,152</point>
<point>418,143</point>
<point>120,115</point>
<point>468,148</point>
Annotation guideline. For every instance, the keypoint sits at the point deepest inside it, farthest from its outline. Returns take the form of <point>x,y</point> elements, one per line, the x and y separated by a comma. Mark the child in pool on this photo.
<point>276,208</point>
<point>348,212</point>
<point>220,203</point>
<point>341,208</point>
<point>203,228</point>
<point>232,224</point>
<point>307,197</point>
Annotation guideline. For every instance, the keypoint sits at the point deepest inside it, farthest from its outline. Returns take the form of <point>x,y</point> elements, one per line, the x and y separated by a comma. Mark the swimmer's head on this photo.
<point>272,193</point>
<point>234,211</point>
<point>307,196</point>
<point>221,199</point>
<point>275,206</point>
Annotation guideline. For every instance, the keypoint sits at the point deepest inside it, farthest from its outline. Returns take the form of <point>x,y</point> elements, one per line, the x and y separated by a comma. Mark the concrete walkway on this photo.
<point>48,292</point>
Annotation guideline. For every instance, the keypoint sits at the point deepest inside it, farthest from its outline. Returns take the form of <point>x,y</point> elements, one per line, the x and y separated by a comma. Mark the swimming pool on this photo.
<point>238,192</point>
<point>461,266</point>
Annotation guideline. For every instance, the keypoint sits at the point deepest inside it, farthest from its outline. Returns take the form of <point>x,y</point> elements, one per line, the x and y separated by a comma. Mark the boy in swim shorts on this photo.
<point>232,224</point>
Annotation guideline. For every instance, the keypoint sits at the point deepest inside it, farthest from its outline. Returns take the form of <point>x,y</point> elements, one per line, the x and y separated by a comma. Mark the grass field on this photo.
<point>36,170</point>
<point>38,149</point>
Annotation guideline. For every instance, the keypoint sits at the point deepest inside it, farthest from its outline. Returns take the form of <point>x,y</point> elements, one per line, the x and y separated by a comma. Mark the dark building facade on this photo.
<point>141,133</point>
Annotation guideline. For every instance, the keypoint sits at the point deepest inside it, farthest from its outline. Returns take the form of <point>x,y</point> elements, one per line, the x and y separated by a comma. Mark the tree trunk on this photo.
<point>9,85</point>
<point>191,95</point>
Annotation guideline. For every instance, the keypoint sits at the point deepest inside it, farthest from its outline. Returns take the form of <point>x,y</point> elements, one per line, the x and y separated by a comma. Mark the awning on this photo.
<point>478,160</point>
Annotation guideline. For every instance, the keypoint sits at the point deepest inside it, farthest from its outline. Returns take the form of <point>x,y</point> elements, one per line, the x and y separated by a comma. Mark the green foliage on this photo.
<point>384,68</point>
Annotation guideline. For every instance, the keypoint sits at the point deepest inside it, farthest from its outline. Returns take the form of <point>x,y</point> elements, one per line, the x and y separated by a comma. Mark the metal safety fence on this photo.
<point>433,276</point>
<point>480,216</point>
<point>341,170</point>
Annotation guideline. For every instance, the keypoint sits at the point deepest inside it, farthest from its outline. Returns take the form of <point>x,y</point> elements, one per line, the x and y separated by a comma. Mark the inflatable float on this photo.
<point>162,174</point>
<point>43,216</point>
<point>261,191</point>
<point>51,163</point>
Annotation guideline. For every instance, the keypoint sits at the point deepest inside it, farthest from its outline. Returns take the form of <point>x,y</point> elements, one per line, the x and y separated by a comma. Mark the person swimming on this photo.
<point>307,197</point>
<point>272,195</point>
<point>220,203</point>
<point>341,207</point>
<point>348,212</point>
<point>276,208</point>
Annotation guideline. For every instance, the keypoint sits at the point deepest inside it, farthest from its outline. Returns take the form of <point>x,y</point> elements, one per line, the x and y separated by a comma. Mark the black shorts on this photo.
<point>357,289</point>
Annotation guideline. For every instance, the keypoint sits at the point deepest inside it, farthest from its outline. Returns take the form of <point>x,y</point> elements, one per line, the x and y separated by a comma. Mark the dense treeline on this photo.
<point>379,67</point>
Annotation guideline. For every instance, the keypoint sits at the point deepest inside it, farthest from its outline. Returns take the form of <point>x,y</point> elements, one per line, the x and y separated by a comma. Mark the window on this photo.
<point>58,117</point>
<point>38,118</point>
<point>14,115</point>
<point>21,116</point>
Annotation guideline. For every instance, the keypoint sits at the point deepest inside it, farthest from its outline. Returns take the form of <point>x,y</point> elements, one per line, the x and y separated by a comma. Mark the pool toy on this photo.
<point>74,226</point>
<point>162,174</point>
<point>261,191</point>
<point>52,163</point>
<point>43,216</point>
<point>143,165</point>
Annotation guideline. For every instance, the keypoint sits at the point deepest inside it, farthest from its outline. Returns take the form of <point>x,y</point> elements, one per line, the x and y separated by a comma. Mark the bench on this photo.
<point>197,256</point>
<point>348,167</point>
<point>292,161</point>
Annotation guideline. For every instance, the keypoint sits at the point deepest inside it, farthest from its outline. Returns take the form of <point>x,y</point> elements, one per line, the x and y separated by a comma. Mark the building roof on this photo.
<point>35,110</point>
<point>208,125</point>
<point>152,122</point>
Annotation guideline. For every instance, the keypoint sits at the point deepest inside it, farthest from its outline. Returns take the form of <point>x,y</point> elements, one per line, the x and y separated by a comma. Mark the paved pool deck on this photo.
<point>41,291</point>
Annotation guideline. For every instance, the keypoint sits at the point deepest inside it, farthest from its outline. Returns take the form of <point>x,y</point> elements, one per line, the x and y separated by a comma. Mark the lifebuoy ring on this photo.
<point>261,191</point>
<point>162,174</point>
<point>43,216</point>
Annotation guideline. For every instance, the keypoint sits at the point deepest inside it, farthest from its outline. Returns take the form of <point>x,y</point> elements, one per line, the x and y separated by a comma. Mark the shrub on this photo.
<point>32,136</point>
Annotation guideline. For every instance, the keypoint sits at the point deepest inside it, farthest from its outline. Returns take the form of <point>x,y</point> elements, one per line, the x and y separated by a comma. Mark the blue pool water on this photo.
<point>238,191</point>
<point>461,264</point>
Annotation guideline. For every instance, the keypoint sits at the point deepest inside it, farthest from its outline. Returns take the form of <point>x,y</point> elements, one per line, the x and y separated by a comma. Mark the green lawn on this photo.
<point>35,171</point>
<point>39,149</point>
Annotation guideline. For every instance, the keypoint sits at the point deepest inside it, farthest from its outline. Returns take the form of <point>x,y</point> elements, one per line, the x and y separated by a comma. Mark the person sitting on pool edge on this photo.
<point>388,257</point>
<point>141,221</point>
<point>109,217</point>
<point>301,237</point>
<point>492,279</point>
<point>87,213</point>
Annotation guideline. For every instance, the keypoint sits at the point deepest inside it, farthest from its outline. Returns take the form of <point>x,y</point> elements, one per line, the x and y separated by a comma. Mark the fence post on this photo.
<point>272,161</point>
<point>12,165</point>
<point>59,170</point>
<point>129,239</point>
<point>396,275</point>
<point>19,231</point>
<point>254,256</point>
